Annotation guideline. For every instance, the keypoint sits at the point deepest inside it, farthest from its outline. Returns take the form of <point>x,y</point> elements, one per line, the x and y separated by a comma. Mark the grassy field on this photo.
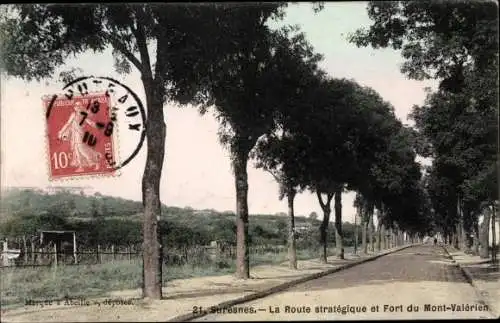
<point>20,284</point>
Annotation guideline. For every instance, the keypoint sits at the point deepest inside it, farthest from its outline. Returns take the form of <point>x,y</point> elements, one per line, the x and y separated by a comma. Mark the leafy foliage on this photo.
<point>435,36</point>
<point>180,226</point>
<point>455,42</point>
<point>198,48</point>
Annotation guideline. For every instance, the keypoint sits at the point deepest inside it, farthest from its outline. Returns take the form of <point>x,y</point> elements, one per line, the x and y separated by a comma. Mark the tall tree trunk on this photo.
<point>462,236</point>
<point>156,134</point>
<point>241,182</point>
<point>292,252</point>
<point>25,251</point>
<point>496,203</point>
<point>338,224</point>
<point>364,225</point>
<point>32,249</point>
<point>467,229</point>
<point>461,226</point>
<point>456,236</point>
<point>356,233</point>
<point>484,232</point>
<point>379,237</point>
<point>384,237</point>
<point>371,233</point>
<point>323,236</point>
<point>324,225</point>
<point>493,234</point>
<point>475,232</point>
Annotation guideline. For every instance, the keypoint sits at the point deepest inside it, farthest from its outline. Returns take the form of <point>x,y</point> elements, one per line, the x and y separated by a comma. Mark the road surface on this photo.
<point>415,283</point>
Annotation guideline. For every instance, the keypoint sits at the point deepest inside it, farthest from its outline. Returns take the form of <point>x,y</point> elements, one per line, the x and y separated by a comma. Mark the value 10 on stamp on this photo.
<point>82,127</point>
<point>80,136</point>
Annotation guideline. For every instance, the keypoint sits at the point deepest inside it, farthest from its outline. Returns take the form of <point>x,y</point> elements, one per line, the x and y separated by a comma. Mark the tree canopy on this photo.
<point>456,43</point>
<point>176,48</point>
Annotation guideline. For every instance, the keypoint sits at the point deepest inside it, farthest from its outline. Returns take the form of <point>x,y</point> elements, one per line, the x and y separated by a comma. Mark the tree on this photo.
<point>437,38</point>
<point>276,155</point>
<point>338,126</point>
<point>365,203</point>
<point>188,39</point>
<point>95,211</point>
<point>277,151</point>
<point>456,43</point>
<point>392,184</point>
<point>326,150</point>
<point>374,127</point>
<point>462,134</point>
<point>247,92</point>
<point>313,216</point>
<point>338,135</point>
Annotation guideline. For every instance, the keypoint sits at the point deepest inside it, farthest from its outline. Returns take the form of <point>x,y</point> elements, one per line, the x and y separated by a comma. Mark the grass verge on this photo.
<point>20,284</point>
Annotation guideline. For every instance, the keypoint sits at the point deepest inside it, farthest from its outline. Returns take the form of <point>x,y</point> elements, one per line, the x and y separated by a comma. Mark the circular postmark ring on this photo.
<point>83,86</point>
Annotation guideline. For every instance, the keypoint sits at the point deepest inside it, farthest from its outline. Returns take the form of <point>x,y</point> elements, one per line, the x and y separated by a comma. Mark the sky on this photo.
<point>197,171</point>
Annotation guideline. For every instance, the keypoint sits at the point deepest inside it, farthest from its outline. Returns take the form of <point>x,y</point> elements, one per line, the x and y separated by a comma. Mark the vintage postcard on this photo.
<point>249,161</point>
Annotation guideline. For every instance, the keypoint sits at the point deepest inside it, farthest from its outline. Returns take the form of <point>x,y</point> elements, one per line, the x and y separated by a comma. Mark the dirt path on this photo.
<point>391,287</point>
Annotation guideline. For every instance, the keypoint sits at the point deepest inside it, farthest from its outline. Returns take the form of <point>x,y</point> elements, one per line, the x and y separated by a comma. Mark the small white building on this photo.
<point>9,256</point>
<point>302,226</point>
<point>497,230</point>
<point>497,235</point>
<point>85,190</point>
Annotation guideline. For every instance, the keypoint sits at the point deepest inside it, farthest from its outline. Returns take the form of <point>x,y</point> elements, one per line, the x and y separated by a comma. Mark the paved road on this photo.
<point>416,283</point>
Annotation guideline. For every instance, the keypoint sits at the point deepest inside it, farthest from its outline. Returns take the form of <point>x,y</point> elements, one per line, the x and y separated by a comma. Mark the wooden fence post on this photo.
<point>97,253</point>
<point>113,251</point>
<point>5,254</point>
<point>32,251</point>
<point>55,254</point>
<point>40,255</point>
<point>25,246</point>
<point>74,247</point>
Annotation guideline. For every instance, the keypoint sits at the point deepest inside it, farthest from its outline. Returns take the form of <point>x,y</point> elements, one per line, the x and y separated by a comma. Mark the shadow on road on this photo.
<point>417,264</point>
<point>422,263</point>
<point>248,286</point>
<point>209,292</point>
<point>487,271</point>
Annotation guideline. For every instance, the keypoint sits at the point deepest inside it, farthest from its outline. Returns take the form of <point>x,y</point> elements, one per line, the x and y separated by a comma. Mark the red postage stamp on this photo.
<point>80,136</point>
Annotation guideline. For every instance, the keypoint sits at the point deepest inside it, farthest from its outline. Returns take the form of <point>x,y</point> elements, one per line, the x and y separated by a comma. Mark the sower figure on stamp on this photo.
<point>82,154</point>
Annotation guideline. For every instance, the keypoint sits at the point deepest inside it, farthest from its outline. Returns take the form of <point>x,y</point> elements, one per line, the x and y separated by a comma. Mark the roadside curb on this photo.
<point>470,279</point>
<point>283,286</point>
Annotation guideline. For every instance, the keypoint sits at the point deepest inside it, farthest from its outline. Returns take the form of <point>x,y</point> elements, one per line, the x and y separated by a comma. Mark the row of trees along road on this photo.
<point>455,43</point>
<point>273,103</point>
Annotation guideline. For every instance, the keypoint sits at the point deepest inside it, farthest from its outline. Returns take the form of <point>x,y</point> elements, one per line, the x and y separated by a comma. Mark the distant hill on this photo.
<point>105,218</point>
